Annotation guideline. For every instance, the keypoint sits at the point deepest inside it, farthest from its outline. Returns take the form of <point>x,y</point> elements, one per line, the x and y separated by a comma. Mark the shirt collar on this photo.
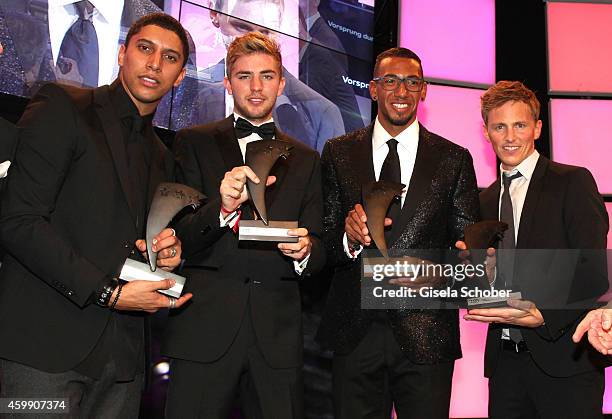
<point>110,11</point>
<point>408,136</point>
<point>526,167</point>
<point>123,104</point>
<point>237,115</point>
<point>310,20</point>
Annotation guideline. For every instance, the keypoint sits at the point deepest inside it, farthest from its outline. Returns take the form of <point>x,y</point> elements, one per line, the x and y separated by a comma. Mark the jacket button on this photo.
<point>126,245</point>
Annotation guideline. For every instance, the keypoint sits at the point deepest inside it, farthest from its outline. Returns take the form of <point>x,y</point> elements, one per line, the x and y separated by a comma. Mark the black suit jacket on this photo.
<point>562,210</point>
<point>8,141</point>
<point>66,223</point>
<point>441,200</point>
<point>228,277</point>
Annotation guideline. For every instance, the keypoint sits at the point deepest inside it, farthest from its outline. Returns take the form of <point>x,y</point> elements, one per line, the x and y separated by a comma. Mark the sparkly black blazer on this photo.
<point>441,200</point>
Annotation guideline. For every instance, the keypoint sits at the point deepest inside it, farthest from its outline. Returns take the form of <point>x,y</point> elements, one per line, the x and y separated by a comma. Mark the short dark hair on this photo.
<point>164,21</point>
<point>399,53</point>
<point>252,43</point>
<point>508,91</point>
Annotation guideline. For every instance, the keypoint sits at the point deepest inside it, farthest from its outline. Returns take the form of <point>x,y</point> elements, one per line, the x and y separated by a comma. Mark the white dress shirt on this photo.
<point>408,144</point>
<point>107,22</point>
<point>518,192</point>
<point>231,219</point>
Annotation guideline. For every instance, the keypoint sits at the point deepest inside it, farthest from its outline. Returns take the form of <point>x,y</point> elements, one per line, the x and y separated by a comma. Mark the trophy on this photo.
<point>376,197</point>
<point>478,238</point>
<point>261,156</point>
<point>482,235</point>
<point>169,199</point>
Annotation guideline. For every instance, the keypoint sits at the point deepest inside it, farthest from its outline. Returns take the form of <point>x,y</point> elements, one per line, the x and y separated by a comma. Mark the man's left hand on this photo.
<point>299,250</point>
<point>519,313</point>
<point>168,248</point>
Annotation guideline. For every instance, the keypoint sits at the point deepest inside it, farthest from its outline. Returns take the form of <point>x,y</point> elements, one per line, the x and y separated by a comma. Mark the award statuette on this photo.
<point>482,235</point>
<point>376,197</point>
<point>478,238</point>
<point>169,199</point>
<point>261,156</point>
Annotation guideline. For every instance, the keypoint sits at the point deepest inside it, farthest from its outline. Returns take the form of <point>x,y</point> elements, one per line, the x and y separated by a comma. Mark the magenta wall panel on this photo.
<point>581,134</point>
<point>579,49</point>
<point>454,38</point>
<point>454,113</point>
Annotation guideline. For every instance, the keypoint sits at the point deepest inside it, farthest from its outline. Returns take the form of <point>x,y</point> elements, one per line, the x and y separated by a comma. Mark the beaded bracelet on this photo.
<point>112,307</point>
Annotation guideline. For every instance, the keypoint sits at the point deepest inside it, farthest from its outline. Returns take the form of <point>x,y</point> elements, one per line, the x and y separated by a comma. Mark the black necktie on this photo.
<point>80,47</point>
<point>244,128</point>
<point>391,171</point>
<point>506,259</point>
<point>138,154</point>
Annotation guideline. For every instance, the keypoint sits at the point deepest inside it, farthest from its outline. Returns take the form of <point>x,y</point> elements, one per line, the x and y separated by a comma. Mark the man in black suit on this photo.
<point>400,357</point>
<point>244,329</point>
<point>8,140</point>
<point>86,168</point>
<point>534,369</point>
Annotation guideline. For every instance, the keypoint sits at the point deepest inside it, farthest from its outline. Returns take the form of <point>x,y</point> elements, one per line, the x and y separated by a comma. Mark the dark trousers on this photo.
<point>210,390</point>
<point>376,376</point>
<point>87,397</point>
<point>520,389</point>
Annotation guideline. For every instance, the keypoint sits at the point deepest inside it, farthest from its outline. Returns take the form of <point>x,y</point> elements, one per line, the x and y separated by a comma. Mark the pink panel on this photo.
<point>581,136</point>
<point>454,113</point>
<point>454,38</point>
<point>470,388</point>
<point>580,56</point>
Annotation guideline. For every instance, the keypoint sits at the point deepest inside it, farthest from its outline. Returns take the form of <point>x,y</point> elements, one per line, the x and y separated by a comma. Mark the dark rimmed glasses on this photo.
<point>412,84</point>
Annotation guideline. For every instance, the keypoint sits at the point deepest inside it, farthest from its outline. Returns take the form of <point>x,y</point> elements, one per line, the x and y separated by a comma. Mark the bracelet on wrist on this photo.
<point>106,292</point>
<point>119,288</point>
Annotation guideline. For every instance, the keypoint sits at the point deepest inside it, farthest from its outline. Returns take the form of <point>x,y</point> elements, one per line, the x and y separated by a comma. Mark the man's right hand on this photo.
<point>490,259</point>
<point>232,190</point>
<point>356,229</point>
<point>143,296</point>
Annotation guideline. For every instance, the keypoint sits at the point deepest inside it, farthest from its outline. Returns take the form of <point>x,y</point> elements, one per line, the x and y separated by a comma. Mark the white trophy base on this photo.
<point>133,270</point>
<point>275,231</point>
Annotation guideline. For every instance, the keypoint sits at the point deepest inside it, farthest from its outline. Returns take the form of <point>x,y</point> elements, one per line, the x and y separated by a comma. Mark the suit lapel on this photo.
<point>425,166</point>
<point>279,170</point>
<point>157,169</point>
<point>228,144</point>
<point>489,201</point>
<point>362,157</point>
<point>531,202</point>
<point>114,138</point>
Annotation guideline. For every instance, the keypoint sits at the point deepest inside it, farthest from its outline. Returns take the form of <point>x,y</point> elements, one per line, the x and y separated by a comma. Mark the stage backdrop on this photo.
<point>326,48</point>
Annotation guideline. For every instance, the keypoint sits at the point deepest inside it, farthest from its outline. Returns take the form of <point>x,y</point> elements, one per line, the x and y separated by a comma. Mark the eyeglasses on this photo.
<point>412,84</point>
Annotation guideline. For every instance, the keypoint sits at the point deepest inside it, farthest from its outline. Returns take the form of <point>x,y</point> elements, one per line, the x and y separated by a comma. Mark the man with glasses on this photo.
<point>403,358</point>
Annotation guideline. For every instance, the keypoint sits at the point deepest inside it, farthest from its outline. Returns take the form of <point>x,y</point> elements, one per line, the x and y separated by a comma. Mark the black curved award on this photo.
<point>376,197</point>
<point>484,234</point>
<point>169,199</point>
<point>261,156</point>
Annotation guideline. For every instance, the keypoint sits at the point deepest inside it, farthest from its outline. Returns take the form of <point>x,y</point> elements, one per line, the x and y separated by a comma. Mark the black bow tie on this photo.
<point>244,128</point>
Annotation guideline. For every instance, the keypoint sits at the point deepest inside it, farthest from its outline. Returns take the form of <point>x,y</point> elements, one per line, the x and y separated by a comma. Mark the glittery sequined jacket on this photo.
<point>441,200</point>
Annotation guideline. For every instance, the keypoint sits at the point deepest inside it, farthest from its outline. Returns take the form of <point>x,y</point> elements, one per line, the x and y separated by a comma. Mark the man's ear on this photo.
<point>214,18</point>
<point>228,85</point>
<point>372,89</point>
<point>121,55</point>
